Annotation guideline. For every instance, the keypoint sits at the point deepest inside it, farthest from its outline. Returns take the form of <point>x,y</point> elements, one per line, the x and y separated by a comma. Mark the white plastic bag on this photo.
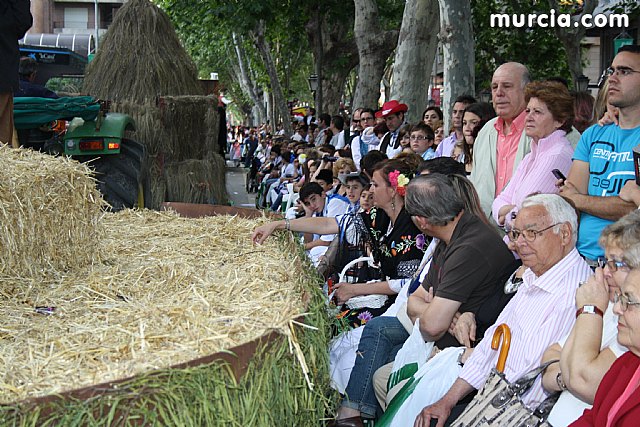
<point>414,353</point>
<point>427,386</point>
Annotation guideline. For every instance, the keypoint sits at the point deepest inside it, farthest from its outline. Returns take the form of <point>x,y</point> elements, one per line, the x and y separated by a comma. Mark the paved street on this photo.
<point>236,187</point>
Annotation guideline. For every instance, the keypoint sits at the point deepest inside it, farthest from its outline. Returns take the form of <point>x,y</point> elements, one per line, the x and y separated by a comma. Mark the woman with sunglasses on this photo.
<point>592,347</point>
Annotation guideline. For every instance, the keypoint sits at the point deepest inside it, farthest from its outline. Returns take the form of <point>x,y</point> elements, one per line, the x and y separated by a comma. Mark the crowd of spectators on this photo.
<point>526,214</point>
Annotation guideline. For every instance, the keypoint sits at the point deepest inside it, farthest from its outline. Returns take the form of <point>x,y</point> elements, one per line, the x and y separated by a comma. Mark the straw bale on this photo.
<point>168,290</point>
<point>141,57</point>
<point>178,130</point>
<point>49,214</point>
<point>194,181</point>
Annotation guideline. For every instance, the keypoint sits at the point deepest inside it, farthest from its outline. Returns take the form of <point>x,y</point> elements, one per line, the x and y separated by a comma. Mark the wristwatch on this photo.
<point>560,382</point>
<point>590,309</point>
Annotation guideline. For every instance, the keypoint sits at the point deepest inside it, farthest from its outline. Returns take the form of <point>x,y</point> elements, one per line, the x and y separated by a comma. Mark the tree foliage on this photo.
<point>538,48</point>
<point>206,29</point>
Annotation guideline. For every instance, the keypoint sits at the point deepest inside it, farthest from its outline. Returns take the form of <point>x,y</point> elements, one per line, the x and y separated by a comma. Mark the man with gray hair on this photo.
<point>470,263</point>
<point>542,311</point>
<point>502,143</point>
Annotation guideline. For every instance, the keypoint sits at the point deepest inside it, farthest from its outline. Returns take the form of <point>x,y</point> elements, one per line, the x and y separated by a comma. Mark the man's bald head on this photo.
<point>507,89</point>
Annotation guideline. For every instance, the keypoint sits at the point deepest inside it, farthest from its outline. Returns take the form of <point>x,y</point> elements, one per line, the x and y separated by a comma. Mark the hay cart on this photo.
<point>83,128</point>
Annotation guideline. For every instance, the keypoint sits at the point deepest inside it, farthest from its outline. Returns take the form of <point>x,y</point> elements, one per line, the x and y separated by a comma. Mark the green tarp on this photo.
<point>30,113</point>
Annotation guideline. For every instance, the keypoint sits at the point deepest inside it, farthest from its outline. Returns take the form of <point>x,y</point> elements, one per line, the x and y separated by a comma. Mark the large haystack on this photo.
<point>142,67</point>
<point>49,214</point>
<point>140,58</point>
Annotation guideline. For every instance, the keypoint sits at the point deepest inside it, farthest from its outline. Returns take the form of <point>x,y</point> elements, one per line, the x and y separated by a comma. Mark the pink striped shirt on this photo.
<point>507,148</point>
<point>534,171</point>
<point>541,313</point>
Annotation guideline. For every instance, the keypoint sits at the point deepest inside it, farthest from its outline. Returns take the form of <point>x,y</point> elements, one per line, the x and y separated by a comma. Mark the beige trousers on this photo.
<point>380,380</point>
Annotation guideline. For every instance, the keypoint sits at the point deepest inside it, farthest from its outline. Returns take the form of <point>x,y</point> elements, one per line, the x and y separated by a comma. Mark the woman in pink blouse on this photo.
<point>549,118</point>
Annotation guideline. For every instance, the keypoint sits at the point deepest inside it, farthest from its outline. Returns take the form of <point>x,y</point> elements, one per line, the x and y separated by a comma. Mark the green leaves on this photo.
<point>536,47</point>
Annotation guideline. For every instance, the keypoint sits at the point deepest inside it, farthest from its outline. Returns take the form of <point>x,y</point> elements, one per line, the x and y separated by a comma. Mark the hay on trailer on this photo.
<point>140,58</point>
<point>271,392</point>
<point>179,127</point>
<point>193,181</point>
<point>176,130</point>
<point>142,67</point>
<point>191,126</point>
<point>168,290</point>
<point>49,214</point>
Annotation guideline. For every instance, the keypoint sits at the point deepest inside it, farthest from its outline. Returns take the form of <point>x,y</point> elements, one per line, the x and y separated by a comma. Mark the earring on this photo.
<point>393,204</point>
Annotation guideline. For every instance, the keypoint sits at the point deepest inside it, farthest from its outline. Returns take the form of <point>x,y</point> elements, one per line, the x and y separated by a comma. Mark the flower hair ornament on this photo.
<point>398,182</point>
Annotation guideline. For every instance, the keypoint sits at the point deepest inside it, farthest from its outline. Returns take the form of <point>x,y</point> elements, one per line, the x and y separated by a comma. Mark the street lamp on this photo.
<point>313,82</point>
<point>582,83</point>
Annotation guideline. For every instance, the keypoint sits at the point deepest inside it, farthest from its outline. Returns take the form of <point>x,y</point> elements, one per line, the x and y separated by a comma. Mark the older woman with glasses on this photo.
<point>591,348</point>
<point>617,400</point>
<point>549,118</point>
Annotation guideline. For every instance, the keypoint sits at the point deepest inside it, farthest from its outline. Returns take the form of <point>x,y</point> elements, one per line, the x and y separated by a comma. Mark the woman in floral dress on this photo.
<point>396,244</point>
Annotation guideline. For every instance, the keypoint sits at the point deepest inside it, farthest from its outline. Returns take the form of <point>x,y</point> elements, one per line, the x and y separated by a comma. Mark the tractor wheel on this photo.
<point>122,178</point>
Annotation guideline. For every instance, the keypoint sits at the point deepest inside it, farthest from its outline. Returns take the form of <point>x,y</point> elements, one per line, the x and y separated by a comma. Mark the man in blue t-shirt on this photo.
<point>603,160</point>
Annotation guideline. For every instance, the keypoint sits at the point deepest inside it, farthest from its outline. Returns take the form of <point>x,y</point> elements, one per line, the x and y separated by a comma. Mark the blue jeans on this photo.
<point>381,339</point>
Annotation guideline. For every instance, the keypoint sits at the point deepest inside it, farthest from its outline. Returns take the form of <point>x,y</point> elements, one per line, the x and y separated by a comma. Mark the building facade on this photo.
<point>73,16</point>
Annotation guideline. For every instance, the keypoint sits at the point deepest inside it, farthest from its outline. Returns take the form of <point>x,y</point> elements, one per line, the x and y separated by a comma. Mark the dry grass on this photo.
<point>141,57</point>
<point>167,290</point>
<point>49,213</point>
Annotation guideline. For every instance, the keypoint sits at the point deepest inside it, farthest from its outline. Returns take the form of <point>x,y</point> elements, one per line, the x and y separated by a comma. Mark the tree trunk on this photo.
<point>247,85</point>
<point>415,54</point>
<point>280,103</point>
<point>571,37</point>
<point>335,55</point>
<point>374,47</point>
<point>319,60</point>
<point>333,81</point>
<point>456,36</point>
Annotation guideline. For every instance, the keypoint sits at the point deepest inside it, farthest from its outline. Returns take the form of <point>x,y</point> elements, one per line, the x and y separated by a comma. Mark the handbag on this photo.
<point>499,402</point>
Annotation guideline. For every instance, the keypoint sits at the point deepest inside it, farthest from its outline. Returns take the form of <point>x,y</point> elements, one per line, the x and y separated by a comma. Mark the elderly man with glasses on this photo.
<point>468,266</point>
<point>603,159</point>
<point>541,312</point>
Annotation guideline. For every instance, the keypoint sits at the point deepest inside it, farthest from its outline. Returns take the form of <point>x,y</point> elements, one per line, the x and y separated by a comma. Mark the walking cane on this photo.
<point>502,331</point>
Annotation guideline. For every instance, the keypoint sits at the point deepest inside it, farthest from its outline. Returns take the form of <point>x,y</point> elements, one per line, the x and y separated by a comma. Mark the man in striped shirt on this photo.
<point>540,313</point>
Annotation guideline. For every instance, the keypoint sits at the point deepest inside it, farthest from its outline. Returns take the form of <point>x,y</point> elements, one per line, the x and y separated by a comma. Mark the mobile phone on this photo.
<point>636,162</point>
<point>558,174</point>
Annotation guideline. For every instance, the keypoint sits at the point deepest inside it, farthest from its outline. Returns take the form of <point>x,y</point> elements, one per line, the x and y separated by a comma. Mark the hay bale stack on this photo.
<point>140,58</point>
<point>169,290</point>
<point>196,135</point>
<point>178,132</point>
<point>142,67</point>
<point>49,214</point>
<point>194,180</point>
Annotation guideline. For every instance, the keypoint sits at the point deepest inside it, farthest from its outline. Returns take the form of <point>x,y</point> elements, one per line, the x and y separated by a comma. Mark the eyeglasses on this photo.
<point>613,264</point>
<point>624,301</point>
<point>420,138</point>
<point>356,121</point>
<point>529,235</point>
<point>620,71</point>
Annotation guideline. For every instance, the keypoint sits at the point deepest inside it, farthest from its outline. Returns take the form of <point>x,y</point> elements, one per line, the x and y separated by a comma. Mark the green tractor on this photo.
<point>83,128</point>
